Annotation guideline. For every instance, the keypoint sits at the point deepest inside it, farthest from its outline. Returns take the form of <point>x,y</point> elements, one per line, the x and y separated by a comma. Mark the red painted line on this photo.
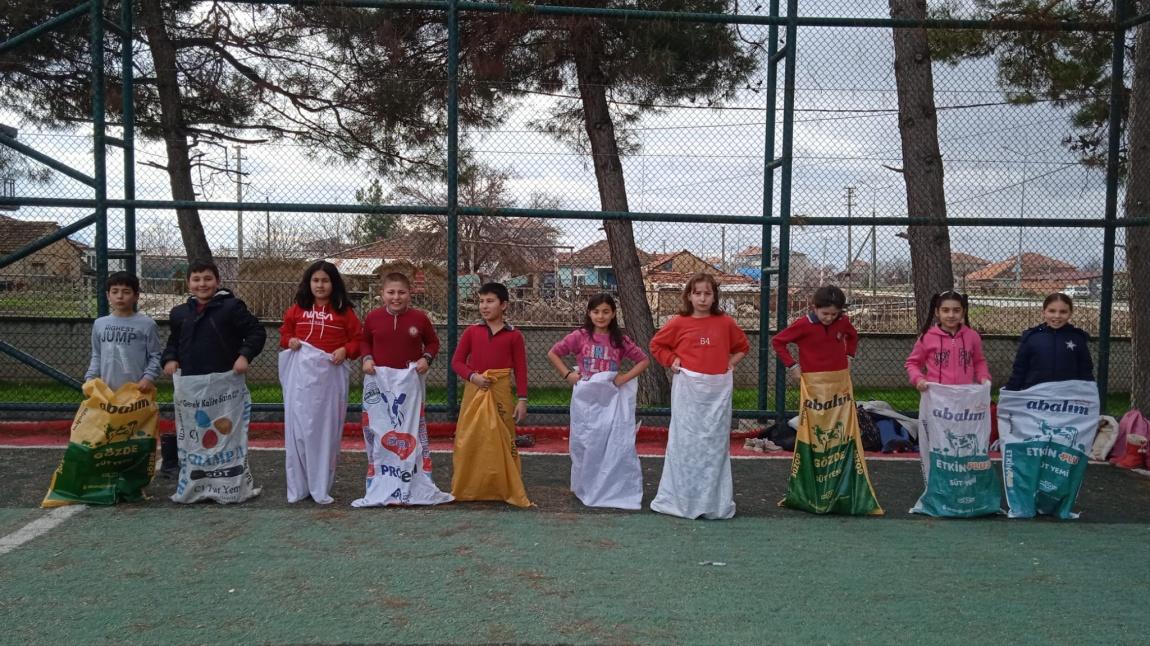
<point>350,429</point>
<point>650,441</point>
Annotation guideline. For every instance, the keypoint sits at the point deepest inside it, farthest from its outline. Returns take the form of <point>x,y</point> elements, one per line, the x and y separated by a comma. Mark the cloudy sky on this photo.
<point>1000,161</point>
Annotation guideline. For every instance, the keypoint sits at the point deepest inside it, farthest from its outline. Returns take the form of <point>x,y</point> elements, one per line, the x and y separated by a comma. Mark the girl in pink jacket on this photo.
<point>947,351</point>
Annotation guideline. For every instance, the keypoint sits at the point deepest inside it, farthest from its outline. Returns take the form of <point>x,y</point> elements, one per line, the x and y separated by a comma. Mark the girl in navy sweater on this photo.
<point>1053,351</point>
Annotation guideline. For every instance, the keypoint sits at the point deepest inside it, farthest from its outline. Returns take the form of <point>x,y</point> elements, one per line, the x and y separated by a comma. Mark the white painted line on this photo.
<point>7,447</point>
<point>38,527</point>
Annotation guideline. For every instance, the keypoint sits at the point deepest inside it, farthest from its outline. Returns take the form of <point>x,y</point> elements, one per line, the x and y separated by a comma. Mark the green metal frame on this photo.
<point>776,158</point>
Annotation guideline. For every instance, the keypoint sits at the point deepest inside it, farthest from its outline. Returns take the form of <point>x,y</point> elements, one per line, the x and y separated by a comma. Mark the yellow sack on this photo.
<point>111,454</point>
<point>486,462</point>
<point>828,472</point>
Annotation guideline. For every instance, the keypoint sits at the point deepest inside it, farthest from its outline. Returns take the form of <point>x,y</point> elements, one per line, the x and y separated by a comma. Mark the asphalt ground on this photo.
<point>269,572</point>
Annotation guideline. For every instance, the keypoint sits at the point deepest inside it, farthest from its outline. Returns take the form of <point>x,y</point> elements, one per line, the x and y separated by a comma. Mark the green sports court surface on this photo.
<point>269,573</point>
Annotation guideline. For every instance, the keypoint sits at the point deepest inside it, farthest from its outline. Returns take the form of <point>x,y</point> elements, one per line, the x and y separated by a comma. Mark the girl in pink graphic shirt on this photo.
<point>598,346</point>
<point>605,469</point>
<point>948,351</point>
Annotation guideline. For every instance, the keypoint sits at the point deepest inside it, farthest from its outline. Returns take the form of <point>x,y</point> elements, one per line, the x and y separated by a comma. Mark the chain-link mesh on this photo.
<point>696,148</point>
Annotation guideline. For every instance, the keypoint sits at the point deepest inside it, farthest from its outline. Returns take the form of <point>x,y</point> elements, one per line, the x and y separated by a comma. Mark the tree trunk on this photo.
<point>587,47</point>
<point>172,125</point>
<point>1138,206</point>
<point>921,159</point>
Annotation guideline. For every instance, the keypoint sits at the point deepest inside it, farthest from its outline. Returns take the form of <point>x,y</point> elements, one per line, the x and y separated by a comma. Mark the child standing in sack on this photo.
<point>948,367</point>
<point>212,332</point>
<point>486,462</point>
<point>1052,364</point>
<point>828,474</point>
<point>948,350</point>
<point>315,380</point>
<point>101,467</point>
<point>397,336</point>
<point>701,346</point>
<point>125,343</point>
<point>605,469</point>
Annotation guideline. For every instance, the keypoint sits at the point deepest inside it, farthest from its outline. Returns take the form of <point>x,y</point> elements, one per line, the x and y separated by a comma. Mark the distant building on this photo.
<point>1032,272</point>
<point>591,267</point>
<point>62,263</point>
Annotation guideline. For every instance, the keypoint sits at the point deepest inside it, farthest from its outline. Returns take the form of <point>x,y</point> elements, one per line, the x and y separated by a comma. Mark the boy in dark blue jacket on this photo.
<point>1053,351</point>
<point>212,332</point>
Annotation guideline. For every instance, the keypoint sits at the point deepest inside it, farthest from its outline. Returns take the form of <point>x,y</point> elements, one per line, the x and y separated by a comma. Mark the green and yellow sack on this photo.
<point>828,472</point>
<point>111,454</point>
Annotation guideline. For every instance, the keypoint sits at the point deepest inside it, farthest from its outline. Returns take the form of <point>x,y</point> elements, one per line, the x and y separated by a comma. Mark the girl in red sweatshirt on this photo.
<point>320,333</point>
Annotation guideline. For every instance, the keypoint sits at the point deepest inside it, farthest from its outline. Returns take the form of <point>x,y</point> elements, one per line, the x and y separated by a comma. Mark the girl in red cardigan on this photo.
<point>824,335</point>
<point>321,322</point>
<point>701,346</point>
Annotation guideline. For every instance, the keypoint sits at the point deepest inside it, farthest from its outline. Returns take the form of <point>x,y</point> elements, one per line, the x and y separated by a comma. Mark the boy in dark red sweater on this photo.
<point>825,337</point>
<point>398,335</point>
<point>486,461</point>
<point>493,344</point>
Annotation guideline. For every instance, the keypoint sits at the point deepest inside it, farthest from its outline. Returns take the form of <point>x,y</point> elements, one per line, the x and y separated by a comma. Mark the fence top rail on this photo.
<point>995,24</point>
<point>560,214</point>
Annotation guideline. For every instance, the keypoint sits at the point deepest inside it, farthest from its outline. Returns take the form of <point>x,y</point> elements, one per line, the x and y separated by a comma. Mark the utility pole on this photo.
<point>823,264</point>
<point>873,252</point>
<point>239,199</point>
<point>1022,157</point>
<point>267,227</point>
<point>850,241</point>
<point>1021,214</point>
<point>723,248</point>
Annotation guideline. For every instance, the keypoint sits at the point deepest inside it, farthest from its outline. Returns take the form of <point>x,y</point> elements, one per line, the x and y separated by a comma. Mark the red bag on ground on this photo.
<point>1131,423</point>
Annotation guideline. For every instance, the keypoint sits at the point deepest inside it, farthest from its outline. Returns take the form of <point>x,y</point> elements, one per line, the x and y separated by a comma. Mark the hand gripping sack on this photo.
<point>1046,431</point>
<point>696,480</point>
<point>828,473</point>
<point>954,436</point>
<point>605,470</point>
<point>111,452</point>
<point>485,461</point>
<point>315,407</point>
<point>212,414</point>
<point>393,403</point>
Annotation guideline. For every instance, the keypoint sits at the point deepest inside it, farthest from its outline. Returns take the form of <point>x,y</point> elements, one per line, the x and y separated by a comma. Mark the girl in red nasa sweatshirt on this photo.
<point>315,407</point>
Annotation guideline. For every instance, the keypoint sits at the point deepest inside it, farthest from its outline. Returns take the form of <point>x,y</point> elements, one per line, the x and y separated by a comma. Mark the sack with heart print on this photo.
<point>393,403</point>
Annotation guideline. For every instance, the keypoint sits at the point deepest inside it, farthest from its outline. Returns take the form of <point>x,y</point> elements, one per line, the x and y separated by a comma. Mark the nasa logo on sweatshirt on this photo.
<point>413,331</point>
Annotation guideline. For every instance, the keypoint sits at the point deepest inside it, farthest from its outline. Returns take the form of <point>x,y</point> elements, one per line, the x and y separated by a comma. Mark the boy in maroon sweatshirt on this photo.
<point>825,337</point>
<point>397,335</point>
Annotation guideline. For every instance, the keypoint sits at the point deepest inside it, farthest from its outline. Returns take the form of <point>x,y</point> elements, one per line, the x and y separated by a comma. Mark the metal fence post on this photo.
<point>769,166</point>
<point>128,134</point>
<point>785,199</point>
<point>452,199</point>
<point>99,155</point>
<point>1106,302</point>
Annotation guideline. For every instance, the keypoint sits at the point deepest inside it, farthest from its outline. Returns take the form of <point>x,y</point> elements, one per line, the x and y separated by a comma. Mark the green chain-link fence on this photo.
<point>340,131</point>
